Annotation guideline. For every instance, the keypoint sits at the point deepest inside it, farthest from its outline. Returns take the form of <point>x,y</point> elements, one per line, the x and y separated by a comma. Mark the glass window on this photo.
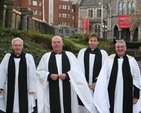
<point>59,14</point>
<point>63,15</point>
<point>120,8</point>
<point>123,8</point>
<point>68,7</point>
<point>35,3</point>
<point>72,17</point>
<point>64,6</point>
<point>40,3</point>
<point>90,13</point>
<point>35,12</point>
<point>29,2</point>
<point>97,29</point>
<point>129,8</point>
<point>132,6</point>
<point>68,15</point>
<point>99,13</point>
<point>40,12</point>
<point>67,32</point>
<point>59,6</point>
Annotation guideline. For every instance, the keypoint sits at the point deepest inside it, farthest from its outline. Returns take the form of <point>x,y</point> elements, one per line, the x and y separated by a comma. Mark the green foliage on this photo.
<point>1,12</point>
<point>107,46</point>
<point>133,45</point>
<point>83,37</point>
<point>37,44</point>
<point>72,45</point>
<point>6,32</point>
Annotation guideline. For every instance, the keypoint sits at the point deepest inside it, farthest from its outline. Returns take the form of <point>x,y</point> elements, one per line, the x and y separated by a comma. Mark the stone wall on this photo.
<point>23,20</point>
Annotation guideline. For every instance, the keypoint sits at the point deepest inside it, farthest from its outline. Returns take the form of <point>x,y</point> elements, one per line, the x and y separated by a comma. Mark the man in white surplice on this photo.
<point>17,80</point>
<point>119,83</point>
<point>60,81</point>
<point>91,60</point>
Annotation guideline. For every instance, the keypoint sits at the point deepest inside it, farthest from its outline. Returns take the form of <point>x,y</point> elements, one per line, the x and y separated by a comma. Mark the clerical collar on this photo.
<point>93,51</point>
<point>58,53</point>
<point>17,56</point>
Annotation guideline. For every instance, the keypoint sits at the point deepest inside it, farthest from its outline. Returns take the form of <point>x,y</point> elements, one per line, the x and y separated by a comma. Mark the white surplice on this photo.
<point>31,82</point>
<point>80,58</point>
<point>77,81</point>
<point>101,98</point>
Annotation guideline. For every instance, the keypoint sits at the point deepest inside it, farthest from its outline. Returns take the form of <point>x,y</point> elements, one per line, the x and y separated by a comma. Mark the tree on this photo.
<point>136,17</point>
<point>1,12</point>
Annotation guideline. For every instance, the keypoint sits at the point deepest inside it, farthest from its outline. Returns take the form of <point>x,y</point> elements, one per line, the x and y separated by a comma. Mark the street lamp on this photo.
<point>60,30</point>
<point>101,31</point>
<point>104,29</point>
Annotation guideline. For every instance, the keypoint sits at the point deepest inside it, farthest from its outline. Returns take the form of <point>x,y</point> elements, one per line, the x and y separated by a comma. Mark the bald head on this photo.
<point>57,44</point>
<point>57,37</point>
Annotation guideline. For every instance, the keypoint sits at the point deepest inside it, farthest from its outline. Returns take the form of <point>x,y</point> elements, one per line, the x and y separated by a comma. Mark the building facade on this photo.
<point>61,14</point>
<point>112,18</point>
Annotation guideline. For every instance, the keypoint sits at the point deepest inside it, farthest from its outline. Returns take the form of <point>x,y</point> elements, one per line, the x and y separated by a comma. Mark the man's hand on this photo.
<point>1,91</point>
<point>54,76</point>
<point>62,76</point>
<point>31,92</point>
<point>92,87</point>
<point>135,100</point>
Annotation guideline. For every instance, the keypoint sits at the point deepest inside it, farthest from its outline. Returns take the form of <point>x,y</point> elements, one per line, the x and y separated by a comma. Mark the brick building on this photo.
<point>112,18</point>
<point>62,14</point>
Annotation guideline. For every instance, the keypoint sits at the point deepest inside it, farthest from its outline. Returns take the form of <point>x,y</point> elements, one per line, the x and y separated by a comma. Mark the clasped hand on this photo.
<point>56,76</point>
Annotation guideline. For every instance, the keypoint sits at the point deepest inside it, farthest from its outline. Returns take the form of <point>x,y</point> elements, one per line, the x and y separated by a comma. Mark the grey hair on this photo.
<point>15,39</point>
<point>120,41</point>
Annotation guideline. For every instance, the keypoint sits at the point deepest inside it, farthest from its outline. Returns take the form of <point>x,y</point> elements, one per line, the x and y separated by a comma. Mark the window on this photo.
<point>90,13</point>
<point>68,15</point>
<point>121,8</point>
<point>40,3</point>
<point>72,17</point>
<point>64,7</point>
<point>64,23</point>
<point>35,12</point>
<point>129,8</point>
<point>67,32</point>
<point>29,2</point>
<point>68,7</point>
<point>35,3</point>
<point>40,12</point>
<point>99,13</point>
<point>97,29</point>
<point>72,10</point>
<point>59,6</point>
<point>59,14</point>
<point>63,15</point>
<point>132,6</point>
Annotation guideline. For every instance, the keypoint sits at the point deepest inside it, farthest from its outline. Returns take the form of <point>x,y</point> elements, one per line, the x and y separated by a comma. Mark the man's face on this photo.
<point>120,49</point>
<point>93,42</point>
<point>17,47</point>
<point>57,44</point>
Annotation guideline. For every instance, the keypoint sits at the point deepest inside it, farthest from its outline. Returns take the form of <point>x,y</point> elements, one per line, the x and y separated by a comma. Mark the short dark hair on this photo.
<point>94,35</point>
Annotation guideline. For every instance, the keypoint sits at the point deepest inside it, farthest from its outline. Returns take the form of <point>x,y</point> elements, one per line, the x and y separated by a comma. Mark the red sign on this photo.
<point>125,21</point>
<point>86,24</point>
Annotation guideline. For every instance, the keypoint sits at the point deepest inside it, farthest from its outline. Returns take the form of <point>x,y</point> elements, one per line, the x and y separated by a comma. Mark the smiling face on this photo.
<point>17,47</point>
<point>93,42</point>
<point>57,44</point>
<point>120,48</point>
